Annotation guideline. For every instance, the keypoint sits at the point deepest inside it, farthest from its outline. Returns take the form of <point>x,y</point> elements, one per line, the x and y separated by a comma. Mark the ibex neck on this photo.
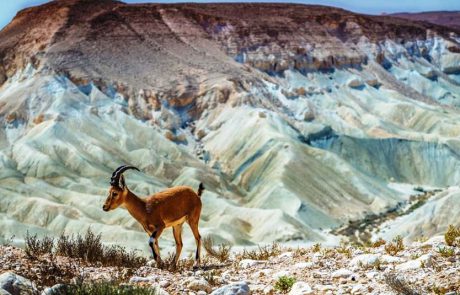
<point>135,207</point>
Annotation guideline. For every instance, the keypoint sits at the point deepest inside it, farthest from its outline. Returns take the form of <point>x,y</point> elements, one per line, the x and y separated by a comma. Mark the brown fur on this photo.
<point>169,208</point>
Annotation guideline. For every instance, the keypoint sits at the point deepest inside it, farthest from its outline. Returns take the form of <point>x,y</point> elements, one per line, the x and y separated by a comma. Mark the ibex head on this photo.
<point>118,188</point>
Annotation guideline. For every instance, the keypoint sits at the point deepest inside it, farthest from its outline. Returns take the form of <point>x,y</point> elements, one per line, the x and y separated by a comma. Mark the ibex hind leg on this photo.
<point>177,232</point>
<point>194,226</point>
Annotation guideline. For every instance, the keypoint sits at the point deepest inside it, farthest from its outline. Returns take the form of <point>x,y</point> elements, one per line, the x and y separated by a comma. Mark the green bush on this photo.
<point>452,235</point>
<point>284,284</point>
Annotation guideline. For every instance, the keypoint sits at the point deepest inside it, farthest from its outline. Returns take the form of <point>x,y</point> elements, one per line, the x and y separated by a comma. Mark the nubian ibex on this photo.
<point>169,208</point>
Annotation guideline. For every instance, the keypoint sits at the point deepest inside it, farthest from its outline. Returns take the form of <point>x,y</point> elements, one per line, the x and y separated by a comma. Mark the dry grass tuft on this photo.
<point>316,248</point>
<point>452,236</point>
<point>107,288</point>
<point>344,249</point>
<point>395,246</point>
<point>262,253</point>
<point>378,243</point>
<point>221,253</point>
<point>88,248</point>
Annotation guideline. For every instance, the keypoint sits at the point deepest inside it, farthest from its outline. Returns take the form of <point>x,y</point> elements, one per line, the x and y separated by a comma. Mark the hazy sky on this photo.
<point>10,7</point>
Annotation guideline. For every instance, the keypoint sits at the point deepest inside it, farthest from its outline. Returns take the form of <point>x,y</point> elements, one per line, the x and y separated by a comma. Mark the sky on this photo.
<point>9,8</point>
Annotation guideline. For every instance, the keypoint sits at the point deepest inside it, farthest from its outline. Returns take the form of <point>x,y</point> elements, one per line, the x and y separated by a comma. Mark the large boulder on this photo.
<point>240,288</point>
<point>301,288</point>
<point>16,285</point>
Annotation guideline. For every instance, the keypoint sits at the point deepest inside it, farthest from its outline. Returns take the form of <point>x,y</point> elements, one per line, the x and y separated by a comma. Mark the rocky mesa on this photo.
<point>297,118</point>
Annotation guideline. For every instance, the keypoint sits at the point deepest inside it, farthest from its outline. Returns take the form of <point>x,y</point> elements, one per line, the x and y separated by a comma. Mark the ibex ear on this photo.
<point>123,183</point>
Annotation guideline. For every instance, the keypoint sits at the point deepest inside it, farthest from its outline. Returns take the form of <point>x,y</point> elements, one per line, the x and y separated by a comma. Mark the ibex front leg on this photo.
<point>153,243</point>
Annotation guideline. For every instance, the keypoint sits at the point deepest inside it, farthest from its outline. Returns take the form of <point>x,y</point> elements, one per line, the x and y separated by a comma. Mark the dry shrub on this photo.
<point>107,288</point>
<point>39,119</point>
<point>400,285</point>
<point>88,248</point>
<point>261,253</point>
<point>344,249</point>
<point>221,253</point>
<point>35,247</point>
<point>378,243</point>
<point>452,236</point>
<point>395,246</point>
<point>316,248</point>
<point>167,263</point>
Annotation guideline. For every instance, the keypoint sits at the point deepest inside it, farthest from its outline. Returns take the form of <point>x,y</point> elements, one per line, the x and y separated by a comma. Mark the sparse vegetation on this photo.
<point>452,236</point>
<point>419,189</point>
<point>316,247</point>
<point>209,276</point>
<point>221,252</point>
<point>261,253</point>
<point>284,284</point>
<point>377,264</point>
<point>446,251</point>
<point>344,249</point>
<point>378,243</point>
<point>35,247</point>
<point>107,288</point>
<point>88,248</point>
<point>395,246</point>
<point>8,242</point>
<point>400,285</point>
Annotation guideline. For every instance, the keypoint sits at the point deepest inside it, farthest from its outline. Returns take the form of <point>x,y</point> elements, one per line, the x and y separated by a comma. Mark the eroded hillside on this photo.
<point>296,118</point>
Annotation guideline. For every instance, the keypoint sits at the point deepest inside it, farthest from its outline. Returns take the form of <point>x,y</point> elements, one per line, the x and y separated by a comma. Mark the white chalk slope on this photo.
<point>284,157</point>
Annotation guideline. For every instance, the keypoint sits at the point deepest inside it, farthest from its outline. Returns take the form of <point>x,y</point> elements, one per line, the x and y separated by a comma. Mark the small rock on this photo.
<point>199,285</point>
<point>16,284</point>
<point>200,134</point>
<point>164,283</point>
<point>246,263</point>
<point>435,242</point>
<point>342,273</point>
<point>302,265</point>
<point>282,273</point>
<point>372,274</point>
<point>269,290</point>
<point>423,261</point>
<point>365,260</point>
<point>55,290</point>
<point>149,279</point>
<point>262,273</point>
<point>240,288</point>
<point>390,259</point>
<point>160,291</point>
<point>358,289</point>
<point>201,293</point>
<point>301,288</point>
<point>285,255</point>
<point>355,83</point>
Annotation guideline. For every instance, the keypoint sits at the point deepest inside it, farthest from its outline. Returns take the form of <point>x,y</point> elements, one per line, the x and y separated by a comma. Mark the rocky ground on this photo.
<point>425,267</point>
